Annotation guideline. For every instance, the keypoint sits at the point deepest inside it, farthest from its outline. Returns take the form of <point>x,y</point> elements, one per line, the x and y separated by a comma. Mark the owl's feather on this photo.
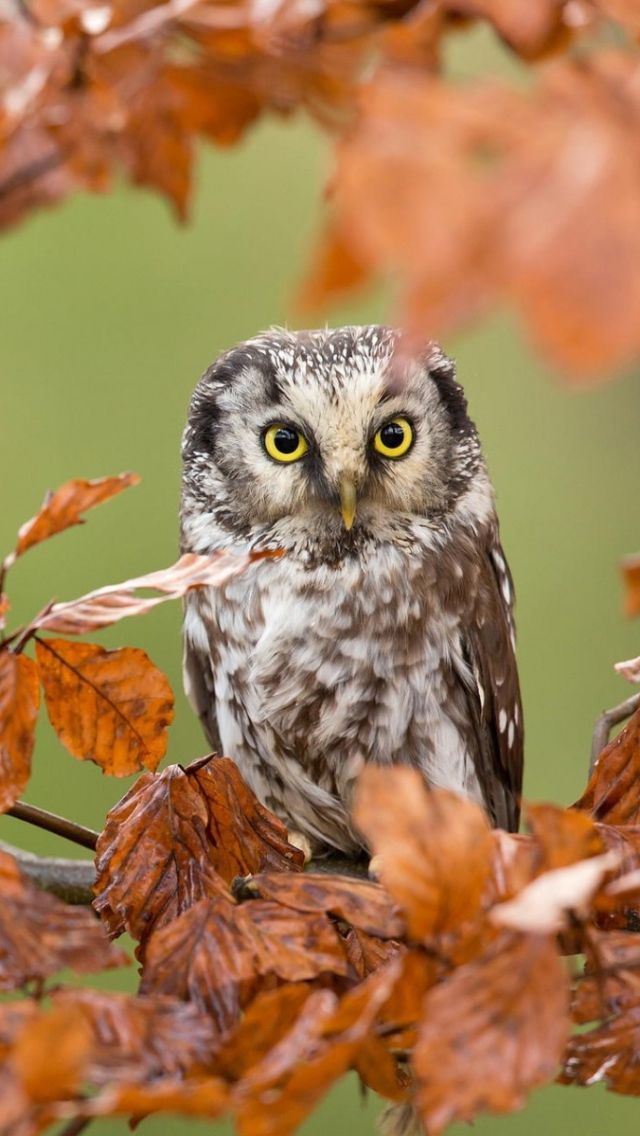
<point>391,641</point>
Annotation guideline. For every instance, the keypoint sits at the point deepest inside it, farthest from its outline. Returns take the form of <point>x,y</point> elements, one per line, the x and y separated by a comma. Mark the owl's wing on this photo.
<point>197,675</point>
<point>495,702</point>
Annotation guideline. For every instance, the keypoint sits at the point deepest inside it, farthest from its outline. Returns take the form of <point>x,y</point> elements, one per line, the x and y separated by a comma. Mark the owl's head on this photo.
<point>334,432</point>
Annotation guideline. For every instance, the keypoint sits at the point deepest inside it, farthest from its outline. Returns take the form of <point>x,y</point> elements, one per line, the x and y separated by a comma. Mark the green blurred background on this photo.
<point>110,313</point>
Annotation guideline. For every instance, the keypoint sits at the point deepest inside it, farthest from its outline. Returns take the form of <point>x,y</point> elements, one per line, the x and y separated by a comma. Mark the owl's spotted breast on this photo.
<point>384,631</point>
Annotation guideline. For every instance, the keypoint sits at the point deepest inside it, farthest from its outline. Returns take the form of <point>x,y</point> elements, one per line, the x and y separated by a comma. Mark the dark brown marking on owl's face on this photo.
<point>338,391</point>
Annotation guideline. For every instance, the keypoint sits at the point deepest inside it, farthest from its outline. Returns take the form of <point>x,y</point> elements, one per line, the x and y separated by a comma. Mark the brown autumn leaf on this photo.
<point>553,899</point>
<point>563,835</point>
<point>631,578</point>
<point>173,838</point>
<point>247,837</point>
<point>39,934</point>
<point>4,607</point>
<point>267,1019</point>
<point>612,793</point>
<point>486,177</point>
<point>629,669</point>
<point>19,701</point>
<point>109,707</point>
<point>362,903</point>
<point>199,1096</point>
<point>610,1051</point>
<point>218,954</point>
<point>51,1054</point>
<point>63,509</point>
<point>326,1039</point>
<point>493,1031</point>
<point>107,605</point>
<point>153,859</point>
<point>137,1040</point>
<point>435,850</point>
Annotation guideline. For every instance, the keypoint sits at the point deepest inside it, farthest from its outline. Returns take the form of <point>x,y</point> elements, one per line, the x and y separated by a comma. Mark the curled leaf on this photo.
<point>63,509</point>
<point>108,605</point>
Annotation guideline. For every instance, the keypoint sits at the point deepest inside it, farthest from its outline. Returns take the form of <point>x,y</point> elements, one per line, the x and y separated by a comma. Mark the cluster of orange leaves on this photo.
<point>451,984</point>
<point>463,194</point>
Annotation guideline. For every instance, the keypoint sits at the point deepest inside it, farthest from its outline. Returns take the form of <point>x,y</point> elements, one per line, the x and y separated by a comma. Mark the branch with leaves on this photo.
<point>464,195</point>
<point>451,986</point>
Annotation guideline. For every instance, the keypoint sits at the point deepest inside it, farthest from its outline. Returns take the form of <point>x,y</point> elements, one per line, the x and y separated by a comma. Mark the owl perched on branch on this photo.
<point>384,633</point>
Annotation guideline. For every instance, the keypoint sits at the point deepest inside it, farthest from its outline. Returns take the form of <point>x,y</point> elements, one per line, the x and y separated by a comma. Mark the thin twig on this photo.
<point>75,1127</point>
<point>604,724</point>
<point>71,880</point>
<point>52,823</point>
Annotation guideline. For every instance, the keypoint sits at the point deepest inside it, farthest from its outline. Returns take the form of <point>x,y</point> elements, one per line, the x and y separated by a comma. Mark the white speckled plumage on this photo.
<point>389,642</point>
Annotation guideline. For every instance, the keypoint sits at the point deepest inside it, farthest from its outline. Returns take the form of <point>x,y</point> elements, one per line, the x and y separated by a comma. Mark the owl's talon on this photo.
<point>300,841</point>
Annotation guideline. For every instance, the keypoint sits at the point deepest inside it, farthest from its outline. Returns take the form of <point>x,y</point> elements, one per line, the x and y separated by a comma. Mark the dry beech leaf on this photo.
<point>205,1097</point>
<point>217,954</point>
<point>612,793</point>
<point>362,903</point>
<point>19,701</point>
<point>51,1054</point>
<point>493,1031</point>
<point>267,1019</point>
<point>629,669</point>
<point>63,509</point>
<point>631,578</point>
<point>40,935</point>
<point>109,707</point>
<point>106,606</point>
<point>327,1038</point>
<point>173,838</point>
<point>544,906</point>
<point>563,835</point>
<point>435,849</point>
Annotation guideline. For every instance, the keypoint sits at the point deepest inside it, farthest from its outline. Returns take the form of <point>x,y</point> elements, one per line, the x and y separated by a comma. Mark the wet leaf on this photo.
<point>174,839</point>
<point>109,707</point>
<point>609,1052</point>
<point>482,1046</point>
<point>612,793</point>
<point>153,859</point>
<point>246,836</point>
<point>40,935</point>
<point>218,954</point>
<point>19,701</point>
<point>361,903</point>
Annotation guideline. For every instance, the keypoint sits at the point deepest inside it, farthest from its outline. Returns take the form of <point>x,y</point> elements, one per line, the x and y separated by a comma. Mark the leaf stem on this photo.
<point>52,823</point>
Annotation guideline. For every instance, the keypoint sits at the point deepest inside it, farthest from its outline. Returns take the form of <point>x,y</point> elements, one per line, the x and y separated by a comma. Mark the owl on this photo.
<point>384,632</point>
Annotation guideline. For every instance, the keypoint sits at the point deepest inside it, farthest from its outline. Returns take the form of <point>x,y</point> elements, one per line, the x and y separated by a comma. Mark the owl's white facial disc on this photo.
<point>336,391</point>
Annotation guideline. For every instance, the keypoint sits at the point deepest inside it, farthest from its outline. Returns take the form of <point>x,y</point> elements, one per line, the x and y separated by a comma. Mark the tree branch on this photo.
<point>71,880</point>
<point>604,724</point>
<point>69,829</point>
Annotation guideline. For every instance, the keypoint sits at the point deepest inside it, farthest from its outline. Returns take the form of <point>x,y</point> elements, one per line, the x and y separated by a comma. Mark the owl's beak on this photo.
<point>348,500</point>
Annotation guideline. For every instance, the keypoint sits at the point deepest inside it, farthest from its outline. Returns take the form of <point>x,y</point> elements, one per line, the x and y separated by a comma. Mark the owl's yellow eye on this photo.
<point>394,438</point>
<point>284,443</point>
